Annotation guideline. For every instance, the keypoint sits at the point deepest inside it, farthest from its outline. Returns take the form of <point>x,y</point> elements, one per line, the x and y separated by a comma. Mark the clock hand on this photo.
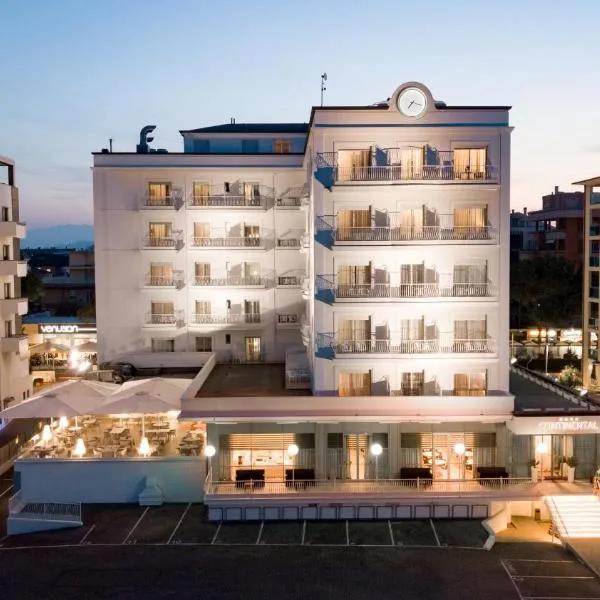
<point>411,103</point>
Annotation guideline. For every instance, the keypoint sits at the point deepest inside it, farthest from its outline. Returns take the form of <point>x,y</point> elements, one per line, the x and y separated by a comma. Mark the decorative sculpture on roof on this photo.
<point>142,147</point>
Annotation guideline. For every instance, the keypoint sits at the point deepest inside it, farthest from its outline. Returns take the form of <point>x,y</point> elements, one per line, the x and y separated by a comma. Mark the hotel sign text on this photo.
<point>569,425</point>
<point>66,329</point>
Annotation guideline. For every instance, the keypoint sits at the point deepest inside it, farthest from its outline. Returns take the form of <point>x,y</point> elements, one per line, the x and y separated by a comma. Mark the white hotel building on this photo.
<point>368,250</point>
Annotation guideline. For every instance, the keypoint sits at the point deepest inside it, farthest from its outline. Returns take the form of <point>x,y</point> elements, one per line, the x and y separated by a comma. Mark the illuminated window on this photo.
<point>281,147</point>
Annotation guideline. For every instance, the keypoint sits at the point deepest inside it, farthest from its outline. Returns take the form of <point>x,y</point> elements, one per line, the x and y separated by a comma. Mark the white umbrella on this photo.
<point>69,399</point>
<point>48,346</point>
<point>87,347</point>
<point>144,397</point>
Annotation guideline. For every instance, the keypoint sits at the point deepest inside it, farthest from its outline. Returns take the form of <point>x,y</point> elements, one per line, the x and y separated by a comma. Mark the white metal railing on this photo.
<point>290,280</point>
<point>231,281</point>
<point>412,290</point>
<point>164,319</point>
<point>288,242</point>
<point>444,344</point>
<point>229,201</point>
<point>415,234</point>
<point>167,201</point>
<point>163,281</point>
<point>52,511</point>
<point>288,319</point>
<point>212,319</point>
<point>152,241</point>
<point>228,242</point>
<point>402,487</point>
<point>288,202</point>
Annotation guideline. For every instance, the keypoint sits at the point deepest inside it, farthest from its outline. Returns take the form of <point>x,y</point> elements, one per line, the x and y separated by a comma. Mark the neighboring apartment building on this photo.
<point>404,280</point>
<point>203,250</point>
<point>523,236</point>
<point>559,226</point>
<point>15,381</point>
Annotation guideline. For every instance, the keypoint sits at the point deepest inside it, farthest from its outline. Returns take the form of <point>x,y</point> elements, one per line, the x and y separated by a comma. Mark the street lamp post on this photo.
<point>376,450</point>
<point>293,450</point>
<point>209,452</point>
<point>541,449</point>
<point>459,450</point>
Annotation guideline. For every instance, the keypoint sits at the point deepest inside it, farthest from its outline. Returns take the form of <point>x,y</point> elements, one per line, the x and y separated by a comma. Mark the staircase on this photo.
<point>575,516</point>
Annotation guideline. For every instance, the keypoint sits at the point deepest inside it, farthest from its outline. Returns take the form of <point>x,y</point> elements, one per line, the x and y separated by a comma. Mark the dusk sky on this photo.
<point>75,73</point>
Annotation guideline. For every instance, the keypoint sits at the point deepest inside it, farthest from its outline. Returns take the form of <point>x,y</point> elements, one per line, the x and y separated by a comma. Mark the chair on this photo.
<point>122,451</point>
<point>97,452</point>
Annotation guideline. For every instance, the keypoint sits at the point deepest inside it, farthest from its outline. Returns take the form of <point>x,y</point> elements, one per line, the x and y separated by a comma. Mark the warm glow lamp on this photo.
<point>376,450</point>
<point>80,448</point>
<point>46,434</point>
<point>292,450</point>
<point>459,448</point>
<point>63,423</point>
<point>542,448</point>
<point>144,449</point>
<point>210,451</point>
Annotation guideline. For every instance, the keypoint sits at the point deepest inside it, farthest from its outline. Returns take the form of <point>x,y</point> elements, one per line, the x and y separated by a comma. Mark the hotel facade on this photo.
<point>366,253</point>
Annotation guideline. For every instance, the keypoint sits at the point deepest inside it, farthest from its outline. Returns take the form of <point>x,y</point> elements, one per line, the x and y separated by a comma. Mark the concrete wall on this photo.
<point>180,479</point>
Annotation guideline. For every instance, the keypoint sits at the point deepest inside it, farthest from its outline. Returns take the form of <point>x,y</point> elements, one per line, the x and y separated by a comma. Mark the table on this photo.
<point>117,430</point>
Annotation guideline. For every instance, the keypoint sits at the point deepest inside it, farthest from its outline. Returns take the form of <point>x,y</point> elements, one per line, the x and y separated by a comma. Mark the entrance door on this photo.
<point>550,452</point>
<point>252,349</point>
<point>356,445</point>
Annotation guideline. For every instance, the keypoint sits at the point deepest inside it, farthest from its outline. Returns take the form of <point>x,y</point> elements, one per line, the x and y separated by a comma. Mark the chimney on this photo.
<point>232,121</point>
<point>556,189</point>
<point>525,210</point>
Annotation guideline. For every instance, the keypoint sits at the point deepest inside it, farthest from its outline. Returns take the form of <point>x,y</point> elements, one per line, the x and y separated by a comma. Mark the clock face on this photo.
<point>412,102</point>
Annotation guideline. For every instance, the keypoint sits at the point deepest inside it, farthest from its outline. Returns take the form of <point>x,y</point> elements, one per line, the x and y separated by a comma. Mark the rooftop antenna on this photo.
<point>323,88</point>
<point>110,145</point>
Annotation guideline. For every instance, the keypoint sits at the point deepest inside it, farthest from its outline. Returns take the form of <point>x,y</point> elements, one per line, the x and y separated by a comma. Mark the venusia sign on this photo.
<point>555,425</point>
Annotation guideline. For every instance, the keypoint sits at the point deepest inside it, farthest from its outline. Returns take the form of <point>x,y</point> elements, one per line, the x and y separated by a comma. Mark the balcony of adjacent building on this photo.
<point>11,229</point>
<point>424,225</point>
<point>236,315</point>
<point>356,337</point>
<point>292,239</point>
<point>242,195</point>
<point>292,198</point>
<point>163,275</point>
<point>238,237</point>
<point>15,268</point>
<point>242,275</point>
<point>291,279</point>
<point>161,196</point>
<point>288,320</point>
<point>12,342</point>
<point>366,283</point>
<point>408,164</point>
<point>162,236</point>
<point>14,306</point>
<point>164,315</point>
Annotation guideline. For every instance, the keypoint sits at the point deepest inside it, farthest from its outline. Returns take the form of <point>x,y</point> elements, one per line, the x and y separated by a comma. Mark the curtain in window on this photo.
<point>251,191</point>
<point>163,308</point>
<point>203,344</point>
<point>159,230</point>
<point>411,159</point>
<point>469,163</point>
<point>412,329</point>
<point>201,193</point>
<point>252,272</point>
<point>354,335</point>
<point>202,272</point>
<point>412,383</point>
<point>354,384</point>
<point>158,193</point>
<point>470,384</point>
<point>470,330</point>
<point>203,307</point>
<point>354,224</point>
<point>161,274</point>
<point>470,217</point>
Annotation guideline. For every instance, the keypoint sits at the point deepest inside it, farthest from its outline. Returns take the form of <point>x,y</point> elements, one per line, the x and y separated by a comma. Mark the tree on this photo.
<point>545,291</point>
<point>570,376</point>
<point>32,289</point>
<point>87,312</point>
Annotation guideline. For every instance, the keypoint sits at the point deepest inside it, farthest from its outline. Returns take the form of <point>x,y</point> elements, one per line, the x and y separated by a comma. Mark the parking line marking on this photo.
<point>539,560</point>
<point>87,533</point>
<point>347,533</point>
<point>437,539</point>
<point>262,524</point>
<point>136,524</point>
<point>303,532</point>
<point>512,580</point>
<point>216,533</point>
<point>179,523</point>
<point>6,491</point>
<point>391,532</point>
<point>553,577</point>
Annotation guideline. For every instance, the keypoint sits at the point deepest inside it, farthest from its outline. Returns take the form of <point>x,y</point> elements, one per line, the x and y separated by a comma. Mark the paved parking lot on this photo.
<point>185,524</point>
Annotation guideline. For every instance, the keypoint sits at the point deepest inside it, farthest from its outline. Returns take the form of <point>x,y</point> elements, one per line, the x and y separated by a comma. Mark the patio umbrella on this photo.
<point>48,346</point>
<point>87,347</point>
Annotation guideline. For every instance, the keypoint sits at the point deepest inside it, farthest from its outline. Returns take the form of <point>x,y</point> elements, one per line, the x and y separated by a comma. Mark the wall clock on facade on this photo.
<point>412,102</point>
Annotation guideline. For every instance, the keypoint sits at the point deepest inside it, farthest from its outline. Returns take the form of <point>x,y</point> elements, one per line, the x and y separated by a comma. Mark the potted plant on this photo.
<point>572,463</point>
<point>534,472</point>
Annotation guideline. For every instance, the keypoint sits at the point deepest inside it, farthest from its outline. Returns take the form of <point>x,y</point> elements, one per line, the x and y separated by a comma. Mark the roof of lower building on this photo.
<point>251,128</point>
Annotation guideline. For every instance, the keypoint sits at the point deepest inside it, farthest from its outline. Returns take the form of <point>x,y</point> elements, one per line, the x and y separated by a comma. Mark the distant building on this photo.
<point>558,226</point>
<point>15,381</point>
<point>523,241</point>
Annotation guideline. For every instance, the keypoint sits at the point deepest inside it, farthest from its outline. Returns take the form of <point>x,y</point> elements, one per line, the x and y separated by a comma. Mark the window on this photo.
<point>200,193</point>
<point>159,194</point>
<point>162,313</point>
<point>163,345</point>
<point>252,311</point>
<point>203,307</point>
<point>203,344</point>
<point>252,193</point>
<point>354,384</point>
<point>202,146</point>
<point>7,291</point>
<point>5,252</point>
<point>228,338</point>
<point>353,165</point>
<point>8,328</point>
<point>354,224</point>
<point>470,384</point>
<point>469,163</point>
<point>160,234</point>
<point>249,146</point>
<point>201,234</point>
<point>5,216</point>
<point>281,147</point>
<point>202,273</point>
<point>412,384</point>
<point>161,274</point>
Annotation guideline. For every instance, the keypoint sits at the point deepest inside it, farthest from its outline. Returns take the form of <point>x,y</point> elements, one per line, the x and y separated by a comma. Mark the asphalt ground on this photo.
<point>509,572</point>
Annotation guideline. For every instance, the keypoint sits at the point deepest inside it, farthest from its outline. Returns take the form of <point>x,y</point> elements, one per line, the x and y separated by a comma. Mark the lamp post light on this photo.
<point>80,449</point>
<point>209,452</point>
<point>292,451</point>
<point>376,450</point>
<point>541,449</point>
<point>459,450</point>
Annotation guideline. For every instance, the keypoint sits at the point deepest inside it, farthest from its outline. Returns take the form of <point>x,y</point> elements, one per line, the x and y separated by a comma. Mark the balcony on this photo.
<point>172,201</point>
<point>328,346</point>
<point>243,319</point>
<point>171,320</point>
<point>215,242</point>
<point>259,198</point>
<point>594,229</point>
<point>401,165</point>
<point>12,229</point>
<point>16,268</point>
<point>14,306</point>
<point>168,242</point>
<point>288,321</point>
<point>233,281</point>
<point>175,280</point>
<point>15,343</point>
<point>292,199</point>
<point>292,240</point>
<point>329,233</point>
<point>327,290</point>
<point>290,280</point>
<point>594,261</point>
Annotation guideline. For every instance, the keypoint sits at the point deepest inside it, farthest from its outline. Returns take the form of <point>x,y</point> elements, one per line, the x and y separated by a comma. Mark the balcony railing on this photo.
<point>228,242</point>
<point>173,200</point>
<point>289,243</point>
<point>174,280</point>
<point>258,198</point>
<point>288,320</point>
<point>594,261</point>
<point>443,229</point>
<point>169,319</point>
<point>226,319</point>
<point>402,290</point>
<point>232,281</point>
<point>290,281</point>
<point>173,242</point>
<point>397,164</point>
<point>446,343</point>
